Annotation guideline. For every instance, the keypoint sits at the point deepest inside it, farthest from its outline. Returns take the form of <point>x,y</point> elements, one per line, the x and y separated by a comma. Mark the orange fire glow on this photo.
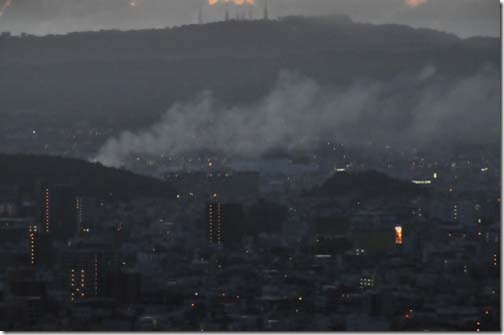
<point>236,2</point>
<point>3,7</point>
<point>398,235</point>
<point>415,3</point>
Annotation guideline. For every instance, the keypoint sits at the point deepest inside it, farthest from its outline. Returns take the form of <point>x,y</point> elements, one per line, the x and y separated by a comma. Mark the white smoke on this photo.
<point>298,112</point>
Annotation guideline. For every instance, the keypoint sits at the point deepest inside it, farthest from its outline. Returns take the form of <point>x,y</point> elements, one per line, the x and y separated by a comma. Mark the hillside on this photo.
<point>112,77</point>
<point>89,179</point>
<point>366,185</point>
<point>244,39</point>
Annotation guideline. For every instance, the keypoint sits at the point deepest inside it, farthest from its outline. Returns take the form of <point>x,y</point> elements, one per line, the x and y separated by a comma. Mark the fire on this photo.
<point>6,4</point>
<point>236,2</point>
<point>415,3</point>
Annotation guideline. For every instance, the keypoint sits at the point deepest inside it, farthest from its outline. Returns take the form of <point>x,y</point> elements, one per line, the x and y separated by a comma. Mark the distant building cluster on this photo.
<point>254,250</point>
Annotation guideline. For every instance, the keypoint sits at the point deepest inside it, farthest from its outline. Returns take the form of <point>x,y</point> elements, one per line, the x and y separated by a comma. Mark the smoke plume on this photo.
<point>422,109</point>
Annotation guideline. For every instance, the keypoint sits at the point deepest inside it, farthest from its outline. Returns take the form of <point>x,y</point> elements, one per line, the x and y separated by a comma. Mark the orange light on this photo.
<point>415,3</point>
<point>4,6</point>
<point>236,2</point>
<point>398,235</point>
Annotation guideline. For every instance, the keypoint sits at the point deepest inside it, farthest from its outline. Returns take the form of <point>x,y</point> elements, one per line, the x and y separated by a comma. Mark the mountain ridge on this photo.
<point>113,76</point>
<point>90,179</point>
<point>286,35</point>
<point>367,185</point>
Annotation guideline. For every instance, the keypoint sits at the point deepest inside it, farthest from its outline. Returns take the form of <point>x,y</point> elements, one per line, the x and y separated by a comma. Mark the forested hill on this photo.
<point>367,185</point>
<point>128,78</point>
<point>88,178</point>
<point>244,39</point>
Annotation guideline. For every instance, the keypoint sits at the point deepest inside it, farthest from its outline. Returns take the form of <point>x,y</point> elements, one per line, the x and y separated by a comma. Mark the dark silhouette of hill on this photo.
<point>111,77</point>
<point>88,178</point>
<point>290,35</point>
<point>366,185</point>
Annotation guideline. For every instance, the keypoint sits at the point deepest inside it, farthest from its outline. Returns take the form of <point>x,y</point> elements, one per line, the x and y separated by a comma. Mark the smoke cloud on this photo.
<point>422,109</point>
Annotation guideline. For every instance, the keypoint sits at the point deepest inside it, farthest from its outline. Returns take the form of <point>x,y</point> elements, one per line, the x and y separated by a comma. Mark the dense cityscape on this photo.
<point>269,250</point>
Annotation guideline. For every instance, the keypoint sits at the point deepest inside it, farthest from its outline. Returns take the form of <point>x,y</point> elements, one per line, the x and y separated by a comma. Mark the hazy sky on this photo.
<point>463,17</point>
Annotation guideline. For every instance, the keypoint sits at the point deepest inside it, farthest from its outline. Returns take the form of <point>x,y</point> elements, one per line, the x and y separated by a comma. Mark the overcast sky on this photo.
<point>463,17</point>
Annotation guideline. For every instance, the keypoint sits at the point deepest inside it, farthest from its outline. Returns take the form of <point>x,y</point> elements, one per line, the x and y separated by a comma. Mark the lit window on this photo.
<point>398,235</point>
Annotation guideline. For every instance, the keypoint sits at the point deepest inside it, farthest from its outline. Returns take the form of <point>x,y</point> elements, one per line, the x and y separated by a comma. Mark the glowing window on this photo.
<point>398,235</point>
